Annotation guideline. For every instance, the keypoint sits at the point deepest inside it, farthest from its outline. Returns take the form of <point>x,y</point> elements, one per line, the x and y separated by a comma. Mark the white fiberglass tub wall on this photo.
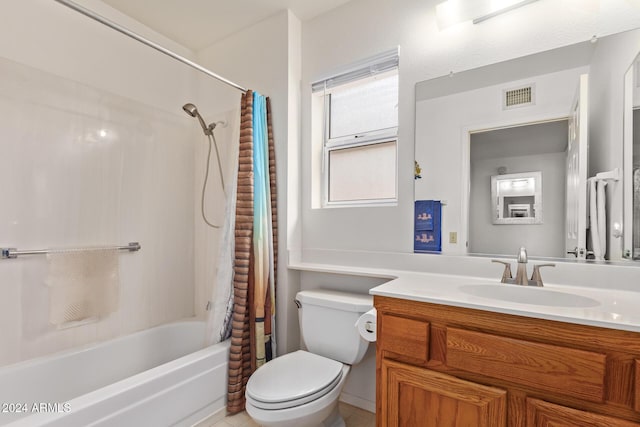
<point>95,150</point>
<point>159,377</point>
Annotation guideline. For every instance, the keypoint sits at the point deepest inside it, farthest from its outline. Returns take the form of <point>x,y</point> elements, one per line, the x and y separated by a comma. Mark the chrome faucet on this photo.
<point>521,272</point>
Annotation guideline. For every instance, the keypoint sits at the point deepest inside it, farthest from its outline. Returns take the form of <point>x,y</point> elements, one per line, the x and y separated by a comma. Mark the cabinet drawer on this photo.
<point>561,370</point>
<point>405,337</point>
<point>545,414</point>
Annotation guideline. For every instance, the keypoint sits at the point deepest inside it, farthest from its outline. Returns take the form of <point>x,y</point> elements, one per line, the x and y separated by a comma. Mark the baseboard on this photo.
<point>211,419</point>
<point>358,402</point>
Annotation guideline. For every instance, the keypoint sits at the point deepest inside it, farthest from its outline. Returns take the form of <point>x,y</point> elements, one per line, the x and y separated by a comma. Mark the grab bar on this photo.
<point>7,253</point>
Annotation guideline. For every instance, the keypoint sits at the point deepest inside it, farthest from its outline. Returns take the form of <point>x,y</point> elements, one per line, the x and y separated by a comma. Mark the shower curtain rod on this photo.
<point>148,42</point>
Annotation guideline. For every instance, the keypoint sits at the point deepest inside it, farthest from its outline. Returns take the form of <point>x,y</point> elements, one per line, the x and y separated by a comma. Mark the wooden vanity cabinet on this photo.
<point>441,366</point>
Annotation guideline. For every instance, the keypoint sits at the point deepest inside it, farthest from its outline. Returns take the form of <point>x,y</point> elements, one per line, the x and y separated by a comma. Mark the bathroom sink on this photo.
<point>529,295</point>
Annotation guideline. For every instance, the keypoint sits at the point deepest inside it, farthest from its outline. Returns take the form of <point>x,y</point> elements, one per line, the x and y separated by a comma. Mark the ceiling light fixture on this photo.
<point>453,12</point>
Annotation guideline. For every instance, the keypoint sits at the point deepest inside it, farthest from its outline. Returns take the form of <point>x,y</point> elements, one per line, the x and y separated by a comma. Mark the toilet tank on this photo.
<point>327,323</point>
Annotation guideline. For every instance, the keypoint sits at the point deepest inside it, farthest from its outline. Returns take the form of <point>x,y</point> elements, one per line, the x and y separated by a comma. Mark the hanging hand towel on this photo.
<point>602,215</point>
<point>598,217</point>
<point>427,226</point>
<point>82,284</point>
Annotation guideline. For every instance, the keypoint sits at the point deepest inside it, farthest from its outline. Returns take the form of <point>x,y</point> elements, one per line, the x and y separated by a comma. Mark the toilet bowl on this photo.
<point>306,397</point>
<point>301,389</point>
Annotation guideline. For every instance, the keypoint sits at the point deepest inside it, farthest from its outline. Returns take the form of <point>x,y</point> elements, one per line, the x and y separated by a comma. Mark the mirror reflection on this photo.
<point>516,198</point>
<point>576,90</point>
<point>632,161</point>
<point>507,156</point>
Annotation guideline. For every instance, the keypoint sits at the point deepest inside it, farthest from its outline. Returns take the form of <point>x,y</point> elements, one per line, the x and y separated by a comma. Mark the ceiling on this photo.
<point>197,24</point>
<point>527,140</point>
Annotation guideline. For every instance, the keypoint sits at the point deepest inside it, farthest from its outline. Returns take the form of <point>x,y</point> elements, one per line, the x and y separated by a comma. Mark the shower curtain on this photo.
<point>221,298</point>
<point>255,264</point>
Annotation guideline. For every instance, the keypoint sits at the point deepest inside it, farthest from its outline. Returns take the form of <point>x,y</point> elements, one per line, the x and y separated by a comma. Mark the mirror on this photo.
<point>453,113</point>
<point>632,161</point>
<point>516,198</point>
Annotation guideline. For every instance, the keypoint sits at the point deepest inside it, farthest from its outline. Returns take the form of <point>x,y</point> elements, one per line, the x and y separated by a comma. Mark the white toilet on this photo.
<point>301,389</point>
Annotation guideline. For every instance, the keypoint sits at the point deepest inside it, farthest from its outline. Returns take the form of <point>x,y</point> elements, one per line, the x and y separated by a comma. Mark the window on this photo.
<point>357,118</point>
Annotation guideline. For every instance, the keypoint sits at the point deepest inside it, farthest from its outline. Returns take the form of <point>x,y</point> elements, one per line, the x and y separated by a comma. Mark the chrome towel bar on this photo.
<point>7,253</point>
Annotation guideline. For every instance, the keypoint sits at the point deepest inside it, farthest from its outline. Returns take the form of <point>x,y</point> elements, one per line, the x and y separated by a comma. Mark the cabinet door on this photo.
<point>415,396</point>
<point>545,414</point>
<point>636,405</point>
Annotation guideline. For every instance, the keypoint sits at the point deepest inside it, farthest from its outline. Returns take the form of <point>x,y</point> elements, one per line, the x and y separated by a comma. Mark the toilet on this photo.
<point>301,389</point>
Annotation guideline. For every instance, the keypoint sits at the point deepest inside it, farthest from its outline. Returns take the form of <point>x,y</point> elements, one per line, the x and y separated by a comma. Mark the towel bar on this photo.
<point>7,253</point>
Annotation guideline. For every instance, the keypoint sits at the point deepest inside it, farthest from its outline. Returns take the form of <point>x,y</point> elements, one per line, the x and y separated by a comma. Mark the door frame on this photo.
<point>467,131</point>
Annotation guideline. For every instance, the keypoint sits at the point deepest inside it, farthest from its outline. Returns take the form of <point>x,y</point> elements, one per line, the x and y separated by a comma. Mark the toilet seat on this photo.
<point>292,380</point>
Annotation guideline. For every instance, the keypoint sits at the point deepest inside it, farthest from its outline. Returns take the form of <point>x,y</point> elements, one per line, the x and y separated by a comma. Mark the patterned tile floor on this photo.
<point>353,417</point>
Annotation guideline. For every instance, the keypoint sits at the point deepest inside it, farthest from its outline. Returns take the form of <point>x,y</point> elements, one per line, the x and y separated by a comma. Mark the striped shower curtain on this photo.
<point>254,284</point>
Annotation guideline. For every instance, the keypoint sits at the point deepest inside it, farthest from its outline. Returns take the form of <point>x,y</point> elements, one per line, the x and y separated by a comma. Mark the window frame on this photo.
<point>367,138</point>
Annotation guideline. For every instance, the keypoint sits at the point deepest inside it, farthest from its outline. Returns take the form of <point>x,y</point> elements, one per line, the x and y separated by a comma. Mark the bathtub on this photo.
<point>159,377</point>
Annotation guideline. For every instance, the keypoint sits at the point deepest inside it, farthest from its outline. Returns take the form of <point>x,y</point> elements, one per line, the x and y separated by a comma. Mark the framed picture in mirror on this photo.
<point>516,198</point>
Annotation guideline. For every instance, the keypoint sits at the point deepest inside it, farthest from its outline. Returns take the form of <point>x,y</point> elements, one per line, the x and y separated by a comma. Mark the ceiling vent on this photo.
<point>518,97</point>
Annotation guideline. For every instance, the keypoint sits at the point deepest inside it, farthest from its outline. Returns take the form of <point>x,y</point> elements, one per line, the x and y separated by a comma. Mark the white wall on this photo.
<point>266,58</point>
<point>64,78</point>
<point>542,240</point>
<point>610,62</point>
<point>362,28</point>
<point>442,139</point>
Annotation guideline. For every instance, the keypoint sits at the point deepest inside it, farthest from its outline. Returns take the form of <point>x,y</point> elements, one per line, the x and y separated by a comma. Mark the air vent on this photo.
<point>518,97</point>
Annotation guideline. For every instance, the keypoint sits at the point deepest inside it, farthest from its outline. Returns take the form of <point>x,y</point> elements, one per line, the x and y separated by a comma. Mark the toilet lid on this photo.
<point>294,377</point>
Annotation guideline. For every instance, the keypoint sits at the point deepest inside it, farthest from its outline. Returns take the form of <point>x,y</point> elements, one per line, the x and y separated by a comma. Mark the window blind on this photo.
<point>377,64</point>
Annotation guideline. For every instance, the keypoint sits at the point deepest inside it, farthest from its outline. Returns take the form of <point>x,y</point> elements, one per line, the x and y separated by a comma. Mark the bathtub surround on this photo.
<point>253,321</point>
<point>94,169</point>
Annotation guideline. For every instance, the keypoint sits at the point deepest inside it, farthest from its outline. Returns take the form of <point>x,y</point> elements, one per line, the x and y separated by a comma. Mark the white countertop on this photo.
<point>608,308</point>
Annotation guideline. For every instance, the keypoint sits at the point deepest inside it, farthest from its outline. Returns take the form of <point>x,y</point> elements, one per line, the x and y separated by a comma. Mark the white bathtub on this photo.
<point>158,377</point>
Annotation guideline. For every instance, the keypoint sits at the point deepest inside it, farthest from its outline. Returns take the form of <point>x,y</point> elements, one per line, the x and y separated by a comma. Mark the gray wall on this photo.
<point>546,239</point>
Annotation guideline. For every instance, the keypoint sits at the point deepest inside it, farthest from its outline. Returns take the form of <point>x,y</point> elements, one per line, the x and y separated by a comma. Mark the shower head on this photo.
<point>191,110</point>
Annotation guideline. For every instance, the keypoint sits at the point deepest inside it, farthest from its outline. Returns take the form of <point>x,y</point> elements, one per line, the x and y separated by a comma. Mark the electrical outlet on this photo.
<point>453,237</point>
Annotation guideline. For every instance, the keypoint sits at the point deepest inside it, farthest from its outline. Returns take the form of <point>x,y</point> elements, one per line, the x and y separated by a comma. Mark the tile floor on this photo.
<point>353,417</point>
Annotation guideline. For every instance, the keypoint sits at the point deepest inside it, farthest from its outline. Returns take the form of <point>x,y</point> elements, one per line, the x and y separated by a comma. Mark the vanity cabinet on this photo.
<point>439,365</point>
